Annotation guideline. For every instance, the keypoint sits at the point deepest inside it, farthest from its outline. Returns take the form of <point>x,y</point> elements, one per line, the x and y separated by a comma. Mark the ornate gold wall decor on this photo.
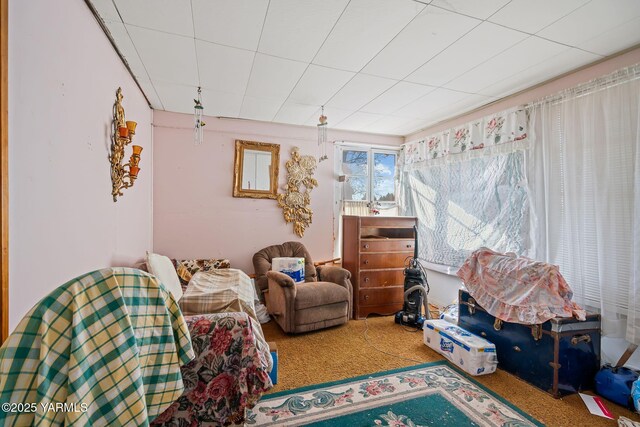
<point>295,202</point>
<point>122,176</point>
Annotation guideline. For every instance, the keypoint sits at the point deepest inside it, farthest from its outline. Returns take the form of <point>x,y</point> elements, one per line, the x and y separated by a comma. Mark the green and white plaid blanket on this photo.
<point>102,349</point>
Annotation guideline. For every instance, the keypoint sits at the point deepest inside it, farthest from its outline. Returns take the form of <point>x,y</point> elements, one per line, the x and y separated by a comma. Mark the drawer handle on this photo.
<point>497,325</point>
<point>366,246</point>
<point>580,338</point>
<point>483,333</point>
<point>409,246</point>
<point>366,261</point>
<point>366,280</point>
<point>366,297</point>
<point>516,348</point>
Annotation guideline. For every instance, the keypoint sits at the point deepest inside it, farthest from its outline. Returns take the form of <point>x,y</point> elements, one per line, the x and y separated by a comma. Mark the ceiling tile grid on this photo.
<point>381,66</point>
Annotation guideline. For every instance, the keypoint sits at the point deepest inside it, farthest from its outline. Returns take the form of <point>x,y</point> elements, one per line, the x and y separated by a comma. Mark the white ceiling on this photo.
<point>382,66</point>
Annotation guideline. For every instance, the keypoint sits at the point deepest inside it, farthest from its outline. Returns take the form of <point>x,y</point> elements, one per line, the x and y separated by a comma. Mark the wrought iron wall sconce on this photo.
<point>122,176</point>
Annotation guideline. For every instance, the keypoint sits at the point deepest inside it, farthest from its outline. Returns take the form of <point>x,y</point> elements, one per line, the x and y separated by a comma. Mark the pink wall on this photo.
<point>63,74</point>
<point>194,213</point>
<point>568,81</point>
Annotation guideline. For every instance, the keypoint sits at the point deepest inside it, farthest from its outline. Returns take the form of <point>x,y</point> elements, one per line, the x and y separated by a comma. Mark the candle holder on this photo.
<point>122,175</point>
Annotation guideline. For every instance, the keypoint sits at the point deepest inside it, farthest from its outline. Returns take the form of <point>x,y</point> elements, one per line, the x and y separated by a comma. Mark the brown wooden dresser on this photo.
<point>375,250</point>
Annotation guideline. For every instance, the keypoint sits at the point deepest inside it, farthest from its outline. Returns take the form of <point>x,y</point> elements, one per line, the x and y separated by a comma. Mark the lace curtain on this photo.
<point>468,188</point>
<point>356,207</point>
<point>585,173</point>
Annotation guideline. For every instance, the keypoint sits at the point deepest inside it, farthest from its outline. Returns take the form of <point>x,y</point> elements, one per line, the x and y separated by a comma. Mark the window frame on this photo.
<point>338,195</point>
<point>371,151</point>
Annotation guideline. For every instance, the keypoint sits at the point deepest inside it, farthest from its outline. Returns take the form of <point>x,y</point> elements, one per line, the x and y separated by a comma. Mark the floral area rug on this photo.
<point>433,394</point>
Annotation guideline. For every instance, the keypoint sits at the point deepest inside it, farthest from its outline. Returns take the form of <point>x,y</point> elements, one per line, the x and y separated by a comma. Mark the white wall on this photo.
<point>63,75</point>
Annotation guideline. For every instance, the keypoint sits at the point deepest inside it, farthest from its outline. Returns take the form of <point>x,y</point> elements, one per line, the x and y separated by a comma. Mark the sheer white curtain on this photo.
<point>585,177</point>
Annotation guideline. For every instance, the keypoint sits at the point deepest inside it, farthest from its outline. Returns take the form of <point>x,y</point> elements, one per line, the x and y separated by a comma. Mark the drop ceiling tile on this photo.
<point>432,31</point>
<point>174,63</point>
<point>223,68</point>
<point>334,116</point>
<point>363,30</point>
<point>525,54</point>
<point>619,38</point>
<point>568,60</point>
<point>481,9</point>
<point>415,125</point>
<point>127,49</point>
<point>532,16</point>
<point>295,29</point>
<point>477,46</point>
<point>359,91</point>
<point>150,93</point>
<point>106,10</point>
<point>178,98</point>
<point>433,101</point>
<point>170,16</point>
<point>318,84</point>
<point>388,125</point>
<point>273,77</point>
<point>217,21</point>
<point>591,20</point>
<point>463,106</point>
<point>259,108</point>
<point>359,121</point>
<point>219,103</point>
<point>295,113</point>
<point>398,96</point>
<point>449,110</point>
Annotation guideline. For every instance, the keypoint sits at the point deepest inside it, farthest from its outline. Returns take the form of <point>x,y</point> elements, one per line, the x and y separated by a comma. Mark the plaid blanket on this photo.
<point>226,290</point>
<point>102,349</point>
<point>218,291</point>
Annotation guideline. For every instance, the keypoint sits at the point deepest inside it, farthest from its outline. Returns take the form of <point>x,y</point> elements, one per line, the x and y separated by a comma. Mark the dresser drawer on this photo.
<point>374,279</point>
<point>388,260</point>
<point>386,245</point>
<point>383,296</point>
<point>389,222</point>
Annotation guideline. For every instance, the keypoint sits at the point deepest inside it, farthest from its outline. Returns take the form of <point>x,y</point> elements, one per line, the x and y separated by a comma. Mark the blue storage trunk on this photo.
<point>560,356</point>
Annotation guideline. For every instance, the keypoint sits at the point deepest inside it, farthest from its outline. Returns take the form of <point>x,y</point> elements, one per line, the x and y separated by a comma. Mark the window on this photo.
<point>369,175</point>
<point>464,205</point>
<point>367,184</point>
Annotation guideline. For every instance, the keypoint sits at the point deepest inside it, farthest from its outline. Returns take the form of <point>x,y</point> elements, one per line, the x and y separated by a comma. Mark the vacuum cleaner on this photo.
<point>416,289</point>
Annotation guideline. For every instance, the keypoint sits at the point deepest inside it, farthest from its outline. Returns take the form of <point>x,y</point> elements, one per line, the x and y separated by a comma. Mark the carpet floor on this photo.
<point>378,344</point>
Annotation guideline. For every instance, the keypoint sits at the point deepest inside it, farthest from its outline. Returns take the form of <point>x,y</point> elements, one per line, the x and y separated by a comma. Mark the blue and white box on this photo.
<point>292,267</point>
<point>471,353</point>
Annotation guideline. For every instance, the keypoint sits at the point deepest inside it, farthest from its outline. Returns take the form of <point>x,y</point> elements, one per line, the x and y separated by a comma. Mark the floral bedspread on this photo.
<point>518,290</point>
<point>230,372</point>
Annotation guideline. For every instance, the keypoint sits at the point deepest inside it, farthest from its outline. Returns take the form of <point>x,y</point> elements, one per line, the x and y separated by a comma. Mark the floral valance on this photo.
<point>500,128</point>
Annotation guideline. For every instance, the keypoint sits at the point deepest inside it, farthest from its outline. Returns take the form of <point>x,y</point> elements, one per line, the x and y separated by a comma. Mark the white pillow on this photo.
<point>162,267</point>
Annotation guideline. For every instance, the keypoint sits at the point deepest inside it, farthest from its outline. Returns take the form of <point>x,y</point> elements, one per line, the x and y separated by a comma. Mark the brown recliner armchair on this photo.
<point>324,299</point>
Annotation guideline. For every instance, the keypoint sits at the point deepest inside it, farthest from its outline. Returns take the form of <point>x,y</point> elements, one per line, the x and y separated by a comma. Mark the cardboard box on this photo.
<point>273,348</point>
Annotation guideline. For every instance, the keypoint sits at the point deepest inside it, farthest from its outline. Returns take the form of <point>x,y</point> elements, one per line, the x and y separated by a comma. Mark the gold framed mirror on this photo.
<point>256,168</point>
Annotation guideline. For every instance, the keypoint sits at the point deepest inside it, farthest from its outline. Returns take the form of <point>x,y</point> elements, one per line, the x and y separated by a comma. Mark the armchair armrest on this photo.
<point>281,298</point>
<point>281,279</point>
<point>333,274</point>
<point>339,276</point>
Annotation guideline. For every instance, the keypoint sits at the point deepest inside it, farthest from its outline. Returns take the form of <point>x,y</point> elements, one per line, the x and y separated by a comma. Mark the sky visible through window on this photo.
<point>355,165</point>
<point>384,170</point>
